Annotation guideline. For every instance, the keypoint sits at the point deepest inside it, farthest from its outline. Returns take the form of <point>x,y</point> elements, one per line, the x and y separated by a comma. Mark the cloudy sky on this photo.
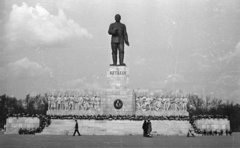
<point>191,45</point>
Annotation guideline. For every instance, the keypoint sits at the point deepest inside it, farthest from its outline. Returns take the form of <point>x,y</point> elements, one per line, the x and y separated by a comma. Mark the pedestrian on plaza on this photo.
<point>190,132</point>
<point>76,129</point>
<point>145,128</point>
<point>230,132</point>
<point>149,128</point>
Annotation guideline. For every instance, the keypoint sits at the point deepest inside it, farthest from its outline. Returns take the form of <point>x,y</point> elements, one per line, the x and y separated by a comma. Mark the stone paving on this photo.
<point>50,141</point>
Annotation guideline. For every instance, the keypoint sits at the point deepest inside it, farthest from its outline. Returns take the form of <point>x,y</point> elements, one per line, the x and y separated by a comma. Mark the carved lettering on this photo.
<point>117,72</point>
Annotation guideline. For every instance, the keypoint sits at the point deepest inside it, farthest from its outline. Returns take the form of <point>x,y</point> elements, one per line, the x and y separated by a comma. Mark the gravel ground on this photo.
<point>49,141</point>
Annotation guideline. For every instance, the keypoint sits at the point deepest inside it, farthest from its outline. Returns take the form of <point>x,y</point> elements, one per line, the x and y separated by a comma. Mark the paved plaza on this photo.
<point>49,141</point>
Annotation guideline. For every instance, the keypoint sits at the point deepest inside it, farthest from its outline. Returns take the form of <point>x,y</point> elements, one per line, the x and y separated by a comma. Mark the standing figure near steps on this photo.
<point>145,128</point>
<point>149,128</point>
<point>76,129</point>
<point>119,36</point>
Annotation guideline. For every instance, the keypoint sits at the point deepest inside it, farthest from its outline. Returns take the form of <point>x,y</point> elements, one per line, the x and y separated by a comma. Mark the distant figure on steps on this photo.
<point>76,129</point>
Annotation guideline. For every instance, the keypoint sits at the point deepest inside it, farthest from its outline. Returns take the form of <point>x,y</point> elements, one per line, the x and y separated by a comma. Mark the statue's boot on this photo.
<point>121,57</point>
<point>114,58</point>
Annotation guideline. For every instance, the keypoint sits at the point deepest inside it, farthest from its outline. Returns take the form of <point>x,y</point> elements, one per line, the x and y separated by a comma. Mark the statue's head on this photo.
<point>117,17</point>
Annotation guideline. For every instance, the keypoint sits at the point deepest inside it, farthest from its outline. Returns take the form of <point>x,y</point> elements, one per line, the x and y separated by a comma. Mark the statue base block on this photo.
<point>125,97</point>
<point>118,77</point>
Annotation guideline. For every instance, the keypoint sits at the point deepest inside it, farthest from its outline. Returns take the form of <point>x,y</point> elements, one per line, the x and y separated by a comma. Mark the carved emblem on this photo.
<point>118,104</point>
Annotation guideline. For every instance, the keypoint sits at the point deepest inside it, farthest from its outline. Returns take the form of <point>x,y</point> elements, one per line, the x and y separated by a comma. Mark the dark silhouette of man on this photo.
<point>145,128</point>
<point>76,129</point>
<point>149,128</point>
<point>119,37</point>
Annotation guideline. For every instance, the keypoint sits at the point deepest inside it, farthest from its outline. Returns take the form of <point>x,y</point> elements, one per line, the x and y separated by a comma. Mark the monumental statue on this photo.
<point>119,36</point>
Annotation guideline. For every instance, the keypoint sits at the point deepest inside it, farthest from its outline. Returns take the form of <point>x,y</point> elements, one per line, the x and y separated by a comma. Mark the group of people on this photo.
<point>29,131</point>
<point>74,102</point>
<point>215,132</point>
<point>198,117</point>
<point>147,128</point>
<point>161,103</point>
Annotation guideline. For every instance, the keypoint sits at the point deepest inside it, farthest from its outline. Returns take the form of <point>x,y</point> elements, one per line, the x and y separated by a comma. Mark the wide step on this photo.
<point>115,127</point>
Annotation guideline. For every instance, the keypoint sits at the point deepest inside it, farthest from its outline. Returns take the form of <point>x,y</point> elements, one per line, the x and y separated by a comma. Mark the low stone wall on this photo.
<point>115,127</point>
<point>13,124</point>
<point>162,113</point>
<point>213,124</point>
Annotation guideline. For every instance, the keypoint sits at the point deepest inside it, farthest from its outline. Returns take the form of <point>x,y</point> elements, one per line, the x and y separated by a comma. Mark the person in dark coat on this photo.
<point>230,132</point>
<point>76,129</point>
<point>149,128</point>
<point>145,127</point>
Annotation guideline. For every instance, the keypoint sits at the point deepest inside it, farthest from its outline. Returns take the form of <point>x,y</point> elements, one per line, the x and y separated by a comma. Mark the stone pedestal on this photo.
<point>118,77</point>
<point>118,98</point>
<point>118,102</point>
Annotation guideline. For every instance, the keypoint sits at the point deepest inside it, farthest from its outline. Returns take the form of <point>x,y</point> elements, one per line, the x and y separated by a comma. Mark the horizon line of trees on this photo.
<point>196,106</point>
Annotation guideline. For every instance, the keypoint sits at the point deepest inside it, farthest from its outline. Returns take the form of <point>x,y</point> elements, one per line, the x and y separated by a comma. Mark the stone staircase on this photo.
<point>115,127</point>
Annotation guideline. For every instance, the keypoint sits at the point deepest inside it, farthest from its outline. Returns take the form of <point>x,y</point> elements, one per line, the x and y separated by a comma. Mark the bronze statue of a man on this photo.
<point>119,36</point>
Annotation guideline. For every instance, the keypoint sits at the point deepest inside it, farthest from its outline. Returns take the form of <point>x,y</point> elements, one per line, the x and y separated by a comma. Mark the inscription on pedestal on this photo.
<point>118,77</point>
<point>117,72</point>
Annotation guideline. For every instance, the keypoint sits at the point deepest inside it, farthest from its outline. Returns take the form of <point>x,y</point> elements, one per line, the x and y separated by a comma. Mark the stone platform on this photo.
<point>115,127</point>
<point>13,124</point>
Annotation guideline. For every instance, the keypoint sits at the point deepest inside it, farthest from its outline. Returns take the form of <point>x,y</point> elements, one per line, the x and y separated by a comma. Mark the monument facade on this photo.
<point>127,107</point>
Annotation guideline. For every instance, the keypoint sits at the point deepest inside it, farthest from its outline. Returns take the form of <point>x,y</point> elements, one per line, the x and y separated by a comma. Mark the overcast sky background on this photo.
<point>193,45</point>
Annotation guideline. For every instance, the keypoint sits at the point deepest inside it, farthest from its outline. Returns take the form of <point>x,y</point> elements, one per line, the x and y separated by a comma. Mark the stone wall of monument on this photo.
<point>110,96</point>
<point>75,102</point>
<point>13,124</point>
<point>156,103</point>
<point>101,102</point>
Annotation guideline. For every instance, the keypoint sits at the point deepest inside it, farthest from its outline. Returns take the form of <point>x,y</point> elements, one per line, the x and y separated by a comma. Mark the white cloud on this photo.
<point>139,61</point>
<point>82,84</point>
<point>233,54</point>
<point>36,25</point>
<point>174,78</point>
<point>94,85</point>
<point>26,68</point>
<point>75,83</point>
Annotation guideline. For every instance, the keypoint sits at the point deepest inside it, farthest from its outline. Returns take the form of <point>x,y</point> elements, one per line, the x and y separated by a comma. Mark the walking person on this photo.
<point>76,129</point>
<point>145,128</point>
<point>149,128</point>
<point>190,132</point>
